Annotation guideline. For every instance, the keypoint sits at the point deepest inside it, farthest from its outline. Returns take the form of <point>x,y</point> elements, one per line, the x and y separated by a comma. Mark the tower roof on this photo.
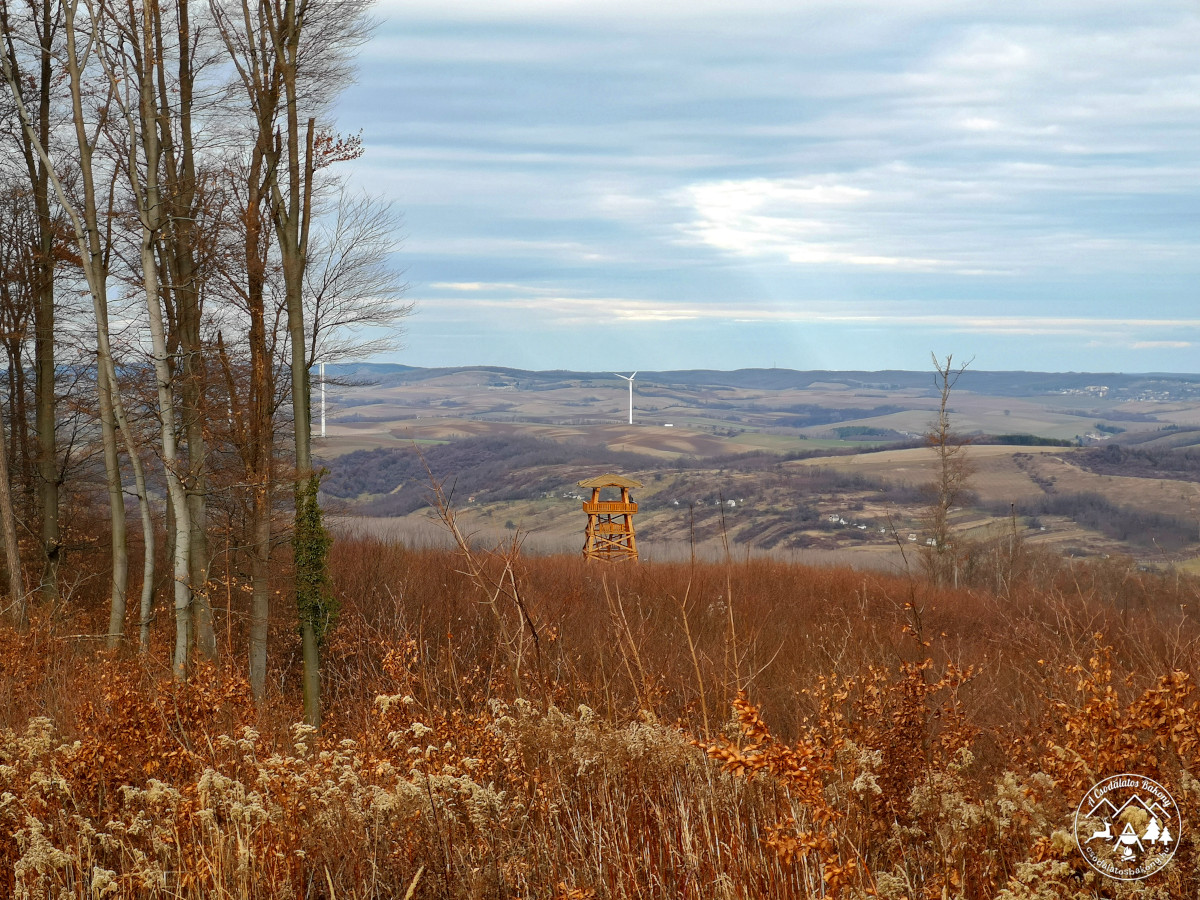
<point>610,480</point>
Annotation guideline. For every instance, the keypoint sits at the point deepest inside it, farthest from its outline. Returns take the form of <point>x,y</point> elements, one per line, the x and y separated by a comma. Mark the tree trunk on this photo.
<point>178,244</point>
<point>34,136</point>
<point>112,413</point>
<point>146,607</point>
<point>45,384</point>
<point>116,509</point>
<point>150,215</point>
<point>260,601</point>
<point>292,217</point>
<point>8,524</point>
<point>166,411</point>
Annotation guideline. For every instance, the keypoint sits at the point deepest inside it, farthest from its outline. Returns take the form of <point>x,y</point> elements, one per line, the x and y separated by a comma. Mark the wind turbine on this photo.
<point>629,378</point>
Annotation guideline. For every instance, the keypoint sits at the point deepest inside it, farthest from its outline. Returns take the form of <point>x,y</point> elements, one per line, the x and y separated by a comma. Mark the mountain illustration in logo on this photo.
<point>1131,828</point>
<point>1128,838</point>
<point>1105,809</point>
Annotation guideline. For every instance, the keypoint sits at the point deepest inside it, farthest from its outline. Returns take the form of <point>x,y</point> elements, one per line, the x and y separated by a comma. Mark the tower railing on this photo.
<point>609,534</point>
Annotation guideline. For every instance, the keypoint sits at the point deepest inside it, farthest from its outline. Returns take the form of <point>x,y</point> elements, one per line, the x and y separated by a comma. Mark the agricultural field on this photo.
<point>804,466</point>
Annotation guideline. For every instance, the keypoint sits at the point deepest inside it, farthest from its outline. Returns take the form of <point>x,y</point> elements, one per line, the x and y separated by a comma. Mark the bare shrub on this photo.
<point>866,753</point>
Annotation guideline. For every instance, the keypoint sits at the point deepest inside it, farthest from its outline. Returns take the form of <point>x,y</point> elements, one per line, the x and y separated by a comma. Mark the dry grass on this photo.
<point>749,729</point>
<point>997,476</point>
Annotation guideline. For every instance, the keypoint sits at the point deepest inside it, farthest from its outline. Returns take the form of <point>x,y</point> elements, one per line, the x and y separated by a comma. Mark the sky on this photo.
<point>814,184</point>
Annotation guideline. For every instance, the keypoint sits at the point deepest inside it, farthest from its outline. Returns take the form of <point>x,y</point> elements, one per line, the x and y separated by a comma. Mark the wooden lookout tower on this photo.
<point>609,533</point>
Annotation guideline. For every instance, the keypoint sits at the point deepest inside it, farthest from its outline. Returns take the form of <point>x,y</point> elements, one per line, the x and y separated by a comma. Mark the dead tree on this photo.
<point>940,554</point>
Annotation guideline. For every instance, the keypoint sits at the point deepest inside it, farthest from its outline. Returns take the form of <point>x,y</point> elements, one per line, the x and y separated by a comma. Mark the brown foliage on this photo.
<point>887,739</point>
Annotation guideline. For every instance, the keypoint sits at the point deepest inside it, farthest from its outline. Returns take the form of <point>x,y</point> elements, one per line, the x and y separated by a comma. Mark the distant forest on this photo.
<point>1138,462</point>
<point>1121,523</point>
<point>498,468</point>
<point>394,481</point>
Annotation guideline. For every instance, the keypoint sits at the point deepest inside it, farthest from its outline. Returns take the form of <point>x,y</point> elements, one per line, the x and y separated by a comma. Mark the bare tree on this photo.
<point>251,380</point>
<point>93,259</point>
<point>129,64</point>
<point>352,292</point>
<point>17,265</point>
<point>33,99</point>
<point>179,247</point>
<point>940,555</point>
<point>95,247</point>
<point>292,58</point>
<point>8,527</point>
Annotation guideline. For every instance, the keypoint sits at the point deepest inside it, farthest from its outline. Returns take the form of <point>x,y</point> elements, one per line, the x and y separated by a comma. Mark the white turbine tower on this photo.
<point>629,378</point>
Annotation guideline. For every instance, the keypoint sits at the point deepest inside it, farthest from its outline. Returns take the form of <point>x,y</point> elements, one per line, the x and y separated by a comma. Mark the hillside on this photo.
<point>817,464</point>
<point>776,409</point>
<point>1003,384</point>
<point>627,732</point>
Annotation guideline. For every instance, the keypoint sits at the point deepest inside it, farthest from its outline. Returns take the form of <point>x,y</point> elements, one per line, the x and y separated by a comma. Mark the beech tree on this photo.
<point>93,240</point>
<point>196,241</point>
<point>251,380</point>
<point>179,248</point>
<point>95,254</point>
<point>130,66</point>
<point>17,222</point>
<point>353,296</point>
<point>291,57</point>
<point>14,315</point>
<point>37,31</point>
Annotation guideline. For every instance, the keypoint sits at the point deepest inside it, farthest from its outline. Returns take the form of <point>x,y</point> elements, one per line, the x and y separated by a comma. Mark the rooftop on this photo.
<point>610,480</point>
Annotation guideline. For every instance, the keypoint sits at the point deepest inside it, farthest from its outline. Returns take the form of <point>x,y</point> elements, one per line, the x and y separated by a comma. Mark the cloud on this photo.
<point>1025,169</point>
<point>475,286</point>
<point>565,309</point>
<point>789,218</point>
<point>936,218</point>
<point>1160,345</point>
<point>695,12</point>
